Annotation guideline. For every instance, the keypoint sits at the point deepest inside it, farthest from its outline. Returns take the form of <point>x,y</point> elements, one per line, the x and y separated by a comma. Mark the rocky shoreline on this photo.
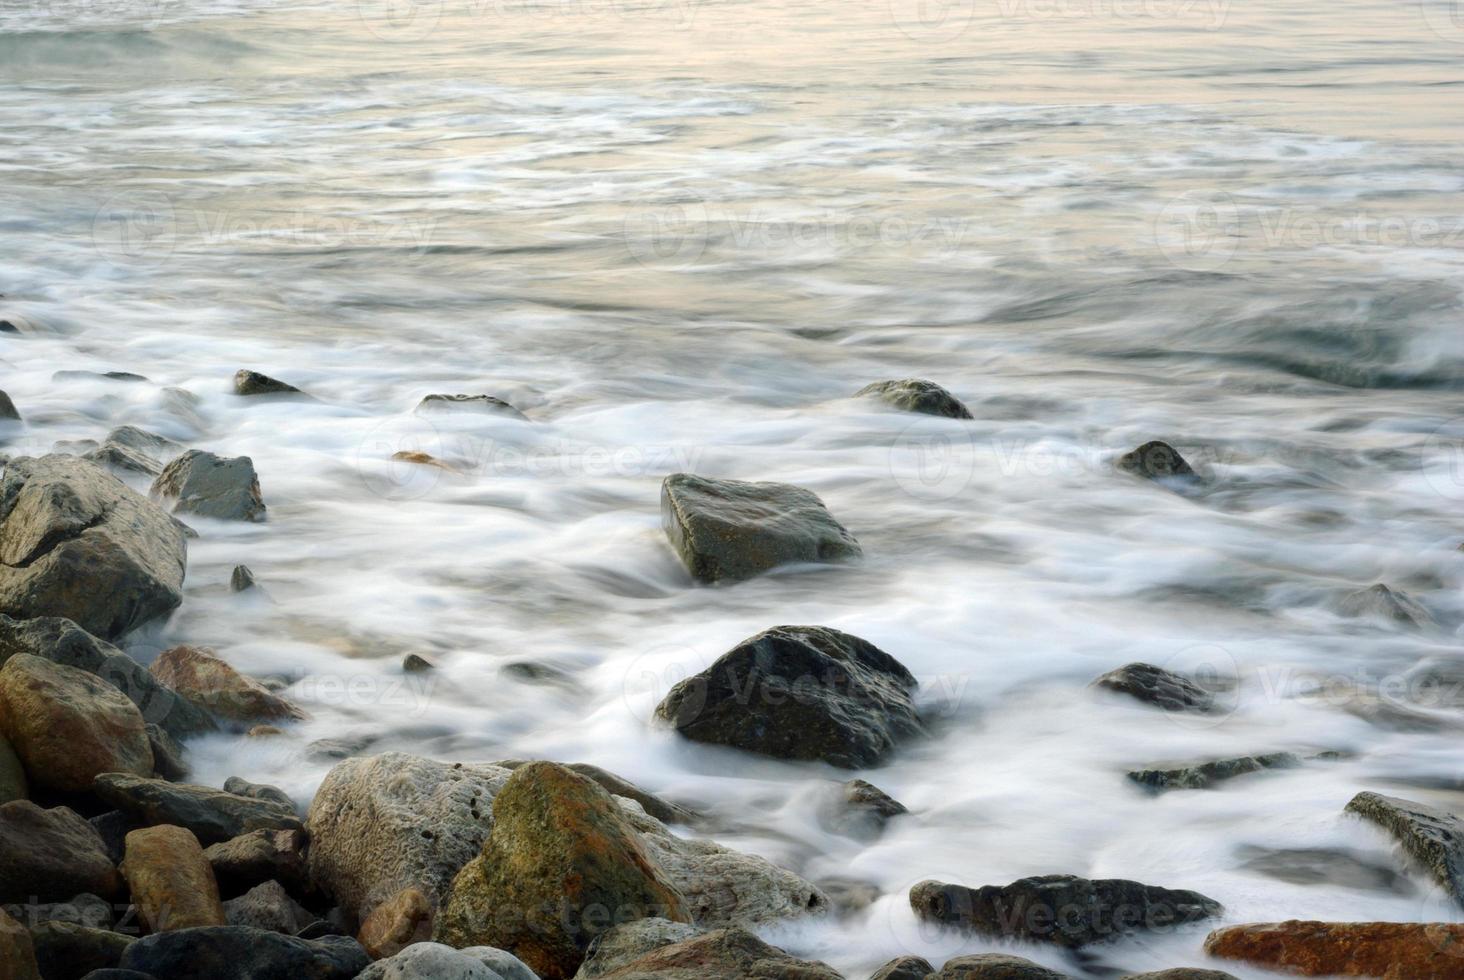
<point>114,867</point>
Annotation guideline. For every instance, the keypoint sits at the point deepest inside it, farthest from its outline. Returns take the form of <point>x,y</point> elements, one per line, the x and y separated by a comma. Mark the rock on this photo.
<point>242,580</point>
<point>559,862</point>
<point>17,953</point>
<point>259,856</point>
<point>1180,973</point>
<point>477,403</point>
<point>267,906</point>
<point>212,684</point>
<point>615,786</point>
<point>8,409</point>
<point>96,376</point>
<point>916,395</point>
<point>414,664</point>
<point>118,974</point>
<point>242,953</point>
<point>171,882</point>
<point>248,382</point>
<point>629,941</point>
<point>1391,950</point>
<point>212,815</point>
<point>1063,910</point>
<point>728,530</point>
<point>240,786</point>
<point>727,954</point>
<point>13,784</point>
<point>76,542</point>
<point>65,951</point>
<point>134,450</point>
<point>799,692</point>
<point>1159,687</point>
<point>434,961</point>
<point>211,486</point>
<point>113,827</point>
<point>397,923</point>
<point>62,641</point>
<point>1155,460</point>
<point>1381,602</point>
<point>68,726</point>
<point>167,755</point>
<point>1433,837</point>
<point>862,810</point>
<point>1323,866</point>
<point>904,968</point>
<point>1203,775</point>
<point>91,911</point>
<point>995,966</point>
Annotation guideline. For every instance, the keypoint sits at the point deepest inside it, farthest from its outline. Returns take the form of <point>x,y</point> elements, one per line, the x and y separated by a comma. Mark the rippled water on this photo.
<point>678,234</point>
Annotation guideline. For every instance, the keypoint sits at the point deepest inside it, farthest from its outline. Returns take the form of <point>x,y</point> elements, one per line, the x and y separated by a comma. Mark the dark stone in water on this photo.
<point>1157,686</point>
<point>248,382</point>
<point>225,488</point>
<point>244,953</point>
<point>96,376</point>
<point>862,810</point>
<point>904,968</point>
<point>1381,602</point>
<point>1154,460</point>
<point>1323,866</point>
<point>916,395</point>
<point>1433,837</point>
<point>1206,774</point>
<point>994,966</point>
<point>7,408</point>
<point>414,663</point>
<point>242,579</point>
<point>481,403</point>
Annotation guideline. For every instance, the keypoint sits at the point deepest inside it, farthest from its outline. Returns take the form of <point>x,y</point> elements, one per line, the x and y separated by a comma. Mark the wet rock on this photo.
<point>1181,973</point>
<point>68,726</point>
<point>259,856</point>
<point>211,683</point>
<point>62,641</point>
<point>7,408</point>
<point>727,954</point>
<point>414,664</point>
<point>240,786</point>
<point>17,952</point>
<point>248,382</point>
<point>83,909</point>
<point>1381,602</point>
<point>472,403</point>
<point>134,450</point>
<point>212,815</point>
<point>862,810</point>
<point>847,895</point>
<point>1154,460</point>
<point>799,692</point>
<point>1323,866</point>
<point>434,961</point>
<point>1063,910</point>
<point>75,542</point>
<point>559,850</point>
<point>1392,950</point>
<point>242,953</point>
<point>904,968</point>
<point>13,785</point>
<point>1433,837</point>
<point>171,882</point>
<point>267,906</point>
<point>1206,774</point>
<point>201,483</point>
<point>729,530</point>
<point>995,966</point>
<point>167,755</point>
<point>66,951</point>
<point>1157,686</point>
<point>615,786</point>
<point>96,376</point>
<point>916,395</point>
<point>629,941</point>
<point>333,749</point>
<point>397,923</point>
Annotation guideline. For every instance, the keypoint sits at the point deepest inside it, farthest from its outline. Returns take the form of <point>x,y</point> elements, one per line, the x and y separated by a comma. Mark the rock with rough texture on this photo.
<point>1389,950</point>
<point>470,403</point>
<point>384,823</point>
<point>729,530</point>
<point>660,809</point>
<point>17,952</point>
<point>50,855</point>
<point>397,923</point>
<point>1203,775</point>
<point>8,410</point>
<point>629,941</point>
<point>259,856</point>
<point>434,961</point>
<point>240,786</point>
<point>134,450</point>
<point>224,488</point>
<point>68,726</point>
<point>248,382</point>
<point>208,681</point>
<point>171,882</point>
<point>799,692</point>
<point>726,954</point>
<point>1159,687</point>
<point>267,906</point>
<point>1155,460</point>
<point>242,953</point>
<point>241,579</point>
<point>211,814</point>
<point>66,951</point>
<point>78,543</point>
<point>1433,837</point>
<point>1180,973</point>
<point>561,865</point>
<point>916,395</point>
<point>62,641</point>
<point>13,785</point>
<point>995,966</point>
<point>1063,910</point>
<point>904,968</point>
<point>1390,605</point>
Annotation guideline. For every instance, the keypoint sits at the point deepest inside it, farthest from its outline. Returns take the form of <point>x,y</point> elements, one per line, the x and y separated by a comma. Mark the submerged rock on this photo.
<point>1157,686</point>
<point>1323,866</point>
<point>1391,950</point>
<point>248,382</point>
<point>242,579</point>
<point>1155,460</point>
<point>211,486</point>
<point>415,663</point>
<point>799,692</point>
<point>51,855</point>
<point>729,530</point>
<point>170,880</point>
<point>916,395</point>
<point>862,810</point>
<point>1433,837</point>
<point>211,814</point>
<point>134,450</point>
<point>8,409</point>
<point>726,954</point>
<point>243,953</point>
<point>211,683</point>
<point>1381,602</point>
<point>1203,775</point>
<point>471,403</point>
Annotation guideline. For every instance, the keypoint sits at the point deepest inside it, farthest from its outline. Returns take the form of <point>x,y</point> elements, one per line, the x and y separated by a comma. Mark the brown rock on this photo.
<point>401,920</point>
<point>17,955</point>
<point>51,855</point>
<point>68,726</point>
<point>727,954</point>
<point>1388,950</point>
<point>256,857</point>
<point>172,884</point>
<point>208,681</point>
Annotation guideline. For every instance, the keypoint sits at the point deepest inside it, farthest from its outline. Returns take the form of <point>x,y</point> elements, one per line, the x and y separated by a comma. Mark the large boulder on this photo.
<point>68,726</point>
<point>799,692</point>
<point>726,954</point>
<point>1433,837</point>
<point>729,530</point>
<point>211,814</point>
<point>63,642</point>
<point>244,953</point>
<point>1063,910</point>
<point>916,395</point>
<point>208,681</point>
<point>1391,950</point>
<point>434,961</point>
<point>662,810</point>
<point>17,952</point>
<point>170,880</point>
<point>211,486</point>
<point>51,855</point>
<point>561,865</point>
<point>75,542</point>
<point>1159,687</point>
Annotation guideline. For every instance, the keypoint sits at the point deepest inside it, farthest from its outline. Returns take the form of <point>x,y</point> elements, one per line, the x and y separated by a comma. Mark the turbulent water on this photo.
<point>679,234</point>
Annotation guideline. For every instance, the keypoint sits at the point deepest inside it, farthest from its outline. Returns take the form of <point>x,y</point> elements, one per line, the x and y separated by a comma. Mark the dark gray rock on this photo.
<point>904,968</point>
<point>242,579</point>
<point>256,857</point>
<point>213,815</point>
<point>1323,866</point>
<point>91,911</point>
<point>995,966</point>
<point>240,786</point>
<point>7,408</point>
<point>248,382</point>
<point>863,809</point>
<point>167,755</point>
<point>799,692</point>
<point>1159,687</point>
<point>113,827</point>
<point>242,953</point>
<point>1063,910</point>
<point>96,376</point>
<point>1181,973</point>
<point>1390,605</point>
<point>414,663</point>
<point>1433,837</point>
<point>1203,775</point>
<point>51,855</point>
<point>211,486</point>
<point>729,530</point>
<point>470,403</point>
<point>76,542</point>
<point>135,450</point>
<point>65,951</point>
<point>267,906</point>
<point>916,395</point>
<point>1154,460</point>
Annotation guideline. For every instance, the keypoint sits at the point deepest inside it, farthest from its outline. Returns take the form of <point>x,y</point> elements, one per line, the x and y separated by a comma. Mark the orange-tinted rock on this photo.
<point>401,920</point>
<point>17,954</point>
<point>208,681</point>
<point>1387,950</point>
<point>172,884</point>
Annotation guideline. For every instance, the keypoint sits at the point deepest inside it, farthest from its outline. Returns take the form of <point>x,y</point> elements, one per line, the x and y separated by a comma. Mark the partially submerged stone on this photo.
<point>8,411</point>
<point>1204,775</point>
<point>1390,950</point>
<point>247,382</point>
<point>1433,837</point>
<point>1155,460</point>
<point>916,395</point>
<point>208,681</point>
<point>241,579</point>
<point>1390,605</point>
<point>207,485</point>
<point>470,403</point>
<point>134,450</point>
<point>1157,686</point>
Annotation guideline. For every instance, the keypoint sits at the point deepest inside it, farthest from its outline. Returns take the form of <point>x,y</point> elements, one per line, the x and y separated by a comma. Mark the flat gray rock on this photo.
<point>211,486</point>
<point>1159,687</point>
<point>213,815</point>
<point>916,395</point>
<point>1203,775</point>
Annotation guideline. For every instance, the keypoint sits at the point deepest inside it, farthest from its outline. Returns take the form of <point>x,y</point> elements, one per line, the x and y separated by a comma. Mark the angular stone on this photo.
<point>799,692</point>
<point>8,410</point>
<point>477,403</point>
<point>259,856</point>
<point>171,882</point>
<point>904,968</point>
<point>201,483</point>
<point>68,726</point>
<point>727,954</point>
<point>17,952</point>
<point>995,966</point>
<point>1391,950</point>
<point>242,579</point>
<point>916,395</point>
<point>1159,687</point>
<point>629,941</point>
<point>212,815</point>
<point>167,755</point>
<point>414,663</point>
<point>66,951</point>
<point>248,382</point>
<point>75,542</point>
<point>1203,775</point>
<point>13,785</point>
<point>242,953</point>
<point>862,810</point>
<point>729,530</point>
<point>397,923</point>
<point>1433,837</point>
<point>1154,460</point>
<point>214,685</point>
<point>1063,910</point>
<point>267,906</point>
<point>1381,602</point>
